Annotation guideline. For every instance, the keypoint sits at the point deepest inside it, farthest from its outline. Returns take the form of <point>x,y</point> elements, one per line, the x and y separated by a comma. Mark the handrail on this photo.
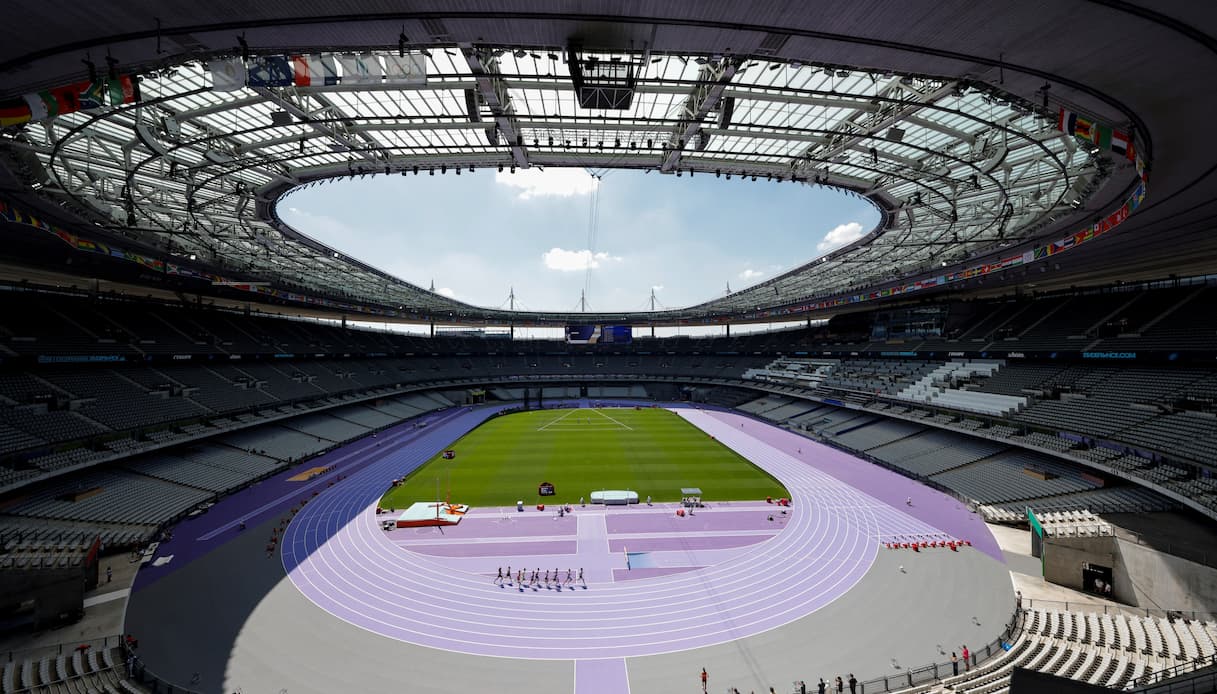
<point>1166,681</point>
<point>1113,609</point>
<point>58,649</point>
<point>140,674</point>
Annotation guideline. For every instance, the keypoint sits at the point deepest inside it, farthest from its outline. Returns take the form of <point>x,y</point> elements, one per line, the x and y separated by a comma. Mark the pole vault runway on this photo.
<point>335,553</point>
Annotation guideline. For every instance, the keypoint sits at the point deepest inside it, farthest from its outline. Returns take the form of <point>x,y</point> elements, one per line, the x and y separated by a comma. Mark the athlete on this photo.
<point>570,576</point>
<point>508,578</point>
<point>547,579</point>
<point>581,577</point>
<point>499,578</point>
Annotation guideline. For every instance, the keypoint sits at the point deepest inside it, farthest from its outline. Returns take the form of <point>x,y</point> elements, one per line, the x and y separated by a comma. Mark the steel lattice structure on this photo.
<point>956,168</point>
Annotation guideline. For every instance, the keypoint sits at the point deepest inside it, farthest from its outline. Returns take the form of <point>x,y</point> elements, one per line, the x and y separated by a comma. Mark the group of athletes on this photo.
<point>535,579</point>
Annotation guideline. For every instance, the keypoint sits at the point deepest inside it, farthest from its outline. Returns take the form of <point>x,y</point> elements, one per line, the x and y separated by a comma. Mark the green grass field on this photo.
<point>650,451</point>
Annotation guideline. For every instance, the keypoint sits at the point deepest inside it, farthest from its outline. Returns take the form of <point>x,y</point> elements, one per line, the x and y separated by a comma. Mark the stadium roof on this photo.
<point>958,144</point>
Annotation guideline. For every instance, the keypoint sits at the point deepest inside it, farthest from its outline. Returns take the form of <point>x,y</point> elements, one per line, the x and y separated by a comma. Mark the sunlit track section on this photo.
<point>338,557</point>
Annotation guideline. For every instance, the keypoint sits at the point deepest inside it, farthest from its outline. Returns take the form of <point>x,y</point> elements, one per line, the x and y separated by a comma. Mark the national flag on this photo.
<point>270,71</point>
<point>42,106</point>
<point>1064,121</point>
<point>90,95</point>
<point>123,90</point>
<point>1071,123</point>
<point>14,112</point>
<point>1102,137</point>
<point>227,74</point>
<point>1084,128</point>
<point>408,69</point>
<point>314,70</point>
<point>1122,145</point>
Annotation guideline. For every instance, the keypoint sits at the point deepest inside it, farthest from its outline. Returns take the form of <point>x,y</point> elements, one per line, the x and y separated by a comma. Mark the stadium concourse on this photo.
<point>727,586</point>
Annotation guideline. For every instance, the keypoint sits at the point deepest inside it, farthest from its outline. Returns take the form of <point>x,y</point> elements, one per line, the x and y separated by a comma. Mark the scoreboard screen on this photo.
<point>599,334</point>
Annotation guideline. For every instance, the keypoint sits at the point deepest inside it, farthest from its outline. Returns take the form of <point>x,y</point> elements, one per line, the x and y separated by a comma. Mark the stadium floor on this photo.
<point>758,607</point>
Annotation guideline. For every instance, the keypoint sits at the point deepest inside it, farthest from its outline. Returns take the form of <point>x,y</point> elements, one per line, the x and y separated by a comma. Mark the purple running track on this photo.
<point>339,558</point>
<point>930,506</point>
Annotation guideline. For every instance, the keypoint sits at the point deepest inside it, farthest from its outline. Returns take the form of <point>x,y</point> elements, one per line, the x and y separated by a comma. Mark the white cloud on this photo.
<point>841,235</point>
<point>571,261</point>
<point>445,291</point>
<point>555,182</point>
<point>751,274</point>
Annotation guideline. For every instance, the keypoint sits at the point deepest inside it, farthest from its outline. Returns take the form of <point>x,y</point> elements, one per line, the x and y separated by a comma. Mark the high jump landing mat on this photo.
<point>424,514</point>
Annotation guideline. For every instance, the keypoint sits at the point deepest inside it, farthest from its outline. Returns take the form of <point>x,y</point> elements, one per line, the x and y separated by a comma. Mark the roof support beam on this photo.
<point>493,90</point>
<point>712,80</point>
<point>853,134</point>
<point>294,109</point>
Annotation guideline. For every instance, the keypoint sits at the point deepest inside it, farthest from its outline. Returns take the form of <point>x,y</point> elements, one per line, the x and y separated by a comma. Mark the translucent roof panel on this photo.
<point>956,168</point>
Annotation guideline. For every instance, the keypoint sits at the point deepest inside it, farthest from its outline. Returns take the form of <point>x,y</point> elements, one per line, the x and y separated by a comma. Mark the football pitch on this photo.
<point>650,451</point>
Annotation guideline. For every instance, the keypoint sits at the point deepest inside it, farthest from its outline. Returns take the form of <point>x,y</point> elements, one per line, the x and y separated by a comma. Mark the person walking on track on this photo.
<point>704,677</point>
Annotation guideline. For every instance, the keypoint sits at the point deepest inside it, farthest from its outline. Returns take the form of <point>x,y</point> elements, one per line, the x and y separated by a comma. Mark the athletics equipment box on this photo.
<point>614,497</point>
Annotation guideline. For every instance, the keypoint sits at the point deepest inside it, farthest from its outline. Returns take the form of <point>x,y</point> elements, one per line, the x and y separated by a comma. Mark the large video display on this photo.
<point>599,334</point>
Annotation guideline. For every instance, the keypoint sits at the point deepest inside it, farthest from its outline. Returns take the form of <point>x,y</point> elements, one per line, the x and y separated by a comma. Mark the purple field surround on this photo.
<point>273,497</point>
<point>337,555</point>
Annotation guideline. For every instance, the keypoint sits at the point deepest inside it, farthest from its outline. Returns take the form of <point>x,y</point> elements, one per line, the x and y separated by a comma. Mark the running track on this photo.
<point>337,556</point>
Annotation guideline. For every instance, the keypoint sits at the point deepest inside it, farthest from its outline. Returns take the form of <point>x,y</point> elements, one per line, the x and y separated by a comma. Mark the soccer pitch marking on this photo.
<point>586,422</point>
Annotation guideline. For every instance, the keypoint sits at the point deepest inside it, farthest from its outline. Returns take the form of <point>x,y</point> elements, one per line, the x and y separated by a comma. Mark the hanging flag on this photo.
<point>52,102</point>
<point>270,71</point>
<point>1071,123</point>
<point>14,112</point>
<point>91,95</point>
<point>408,69</point>
<point>1102,136</point>
<point>373,72</point>
<point>1064,121</point>
<point>360,69</point>
<point>314,70</point>
<point>227,74</point>
<point>123,90</point>
<point>1122,145</point>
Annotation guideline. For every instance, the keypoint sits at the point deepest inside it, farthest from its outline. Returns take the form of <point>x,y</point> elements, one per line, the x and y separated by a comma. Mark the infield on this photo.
<point>650,451</point>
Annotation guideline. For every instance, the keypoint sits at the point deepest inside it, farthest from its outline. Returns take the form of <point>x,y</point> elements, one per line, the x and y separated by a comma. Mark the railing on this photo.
<point>1110,609</point>
<point>1175,680</point>
<point>141,675</point>
<point>935,672</point>
<point>58,649</point>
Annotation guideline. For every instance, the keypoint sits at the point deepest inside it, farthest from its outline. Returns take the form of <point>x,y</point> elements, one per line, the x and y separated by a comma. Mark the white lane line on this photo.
<point>400,596</point>
<point>107,597</point>
<point>613,419</point>
<point>559,419</point>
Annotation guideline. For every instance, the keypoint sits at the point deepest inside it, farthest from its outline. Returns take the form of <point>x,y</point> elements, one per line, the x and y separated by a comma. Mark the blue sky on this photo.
<point>479,234</point>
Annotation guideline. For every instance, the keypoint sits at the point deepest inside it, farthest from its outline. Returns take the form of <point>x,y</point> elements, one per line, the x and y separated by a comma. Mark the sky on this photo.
<point>482,234</point>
